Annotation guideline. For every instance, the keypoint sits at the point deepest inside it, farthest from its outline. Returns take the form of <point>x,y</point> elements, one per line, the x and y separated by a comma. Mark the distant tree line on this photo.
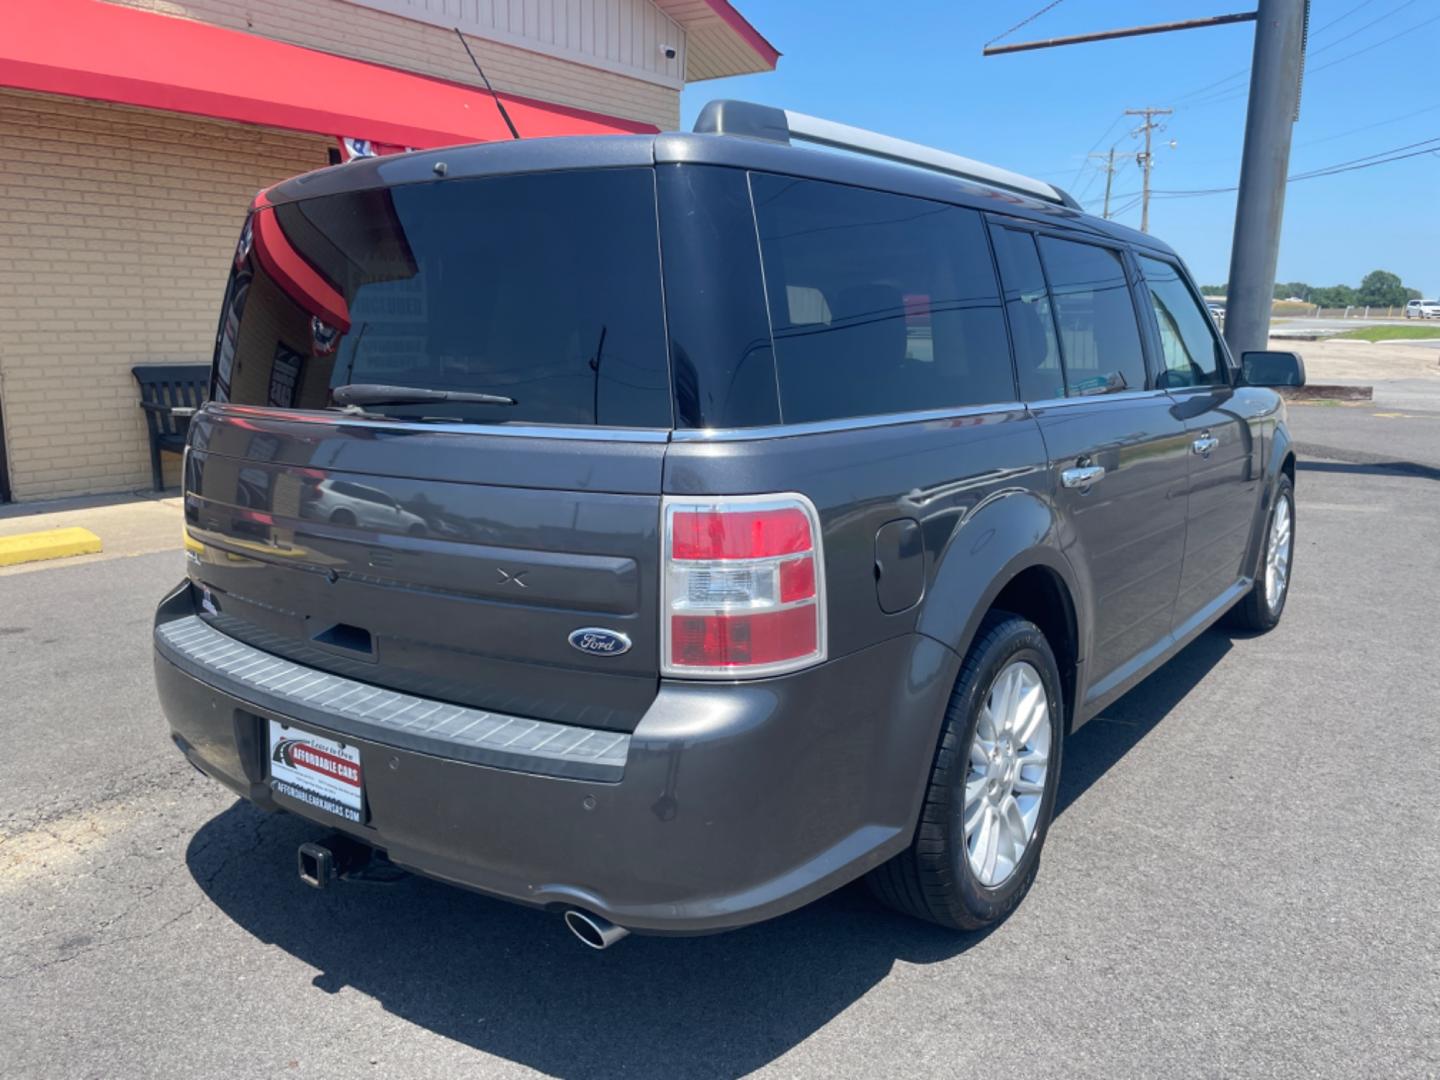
<point>1380,288</point>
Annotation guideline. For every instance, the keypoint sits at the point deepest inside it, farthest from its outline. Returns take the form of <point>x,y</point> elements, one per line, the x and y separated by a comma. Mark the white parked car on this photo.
<point>1422,309</point>
<point>343,502</point>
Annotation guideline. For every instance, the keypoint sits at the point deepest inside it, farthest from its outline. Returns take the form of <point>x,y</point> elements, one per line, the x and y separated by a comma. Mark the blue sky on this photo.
<point>914,69</point>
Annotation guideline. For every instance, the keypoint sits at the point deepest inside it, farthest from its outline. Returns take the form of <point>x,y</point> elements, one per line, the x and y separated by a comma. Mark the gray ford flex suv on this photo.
<point>666,530</point>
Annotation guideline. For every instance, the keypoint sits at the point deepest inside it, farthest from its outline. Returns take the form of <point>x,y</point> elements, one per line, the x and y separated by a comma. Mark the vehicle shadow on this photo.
<point>1377,467</point>
<point>512,982</point>
<point>1098,746</point>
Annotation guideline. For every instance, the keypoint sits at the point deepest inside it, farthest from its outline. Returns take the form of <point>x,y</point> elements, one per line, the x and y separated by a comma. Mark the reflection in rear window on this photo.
<point>542,288</point>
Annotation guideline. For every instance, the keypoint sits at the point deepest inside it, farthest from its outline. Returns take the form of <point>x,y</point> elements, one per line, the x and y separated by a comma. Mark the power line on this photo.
<point>1354,33</point>
<point>1371,127</point>
<point>1370,159</point>
<point>1382,157</point>
<point>1376,45</point>
<point>1103,136</point>
<point>1024,22</point>
<point>1198,91</point>
<point>1234,93</point>
<point>1130,205</point>
<point>1343,17</point>
<point>1433,150</point>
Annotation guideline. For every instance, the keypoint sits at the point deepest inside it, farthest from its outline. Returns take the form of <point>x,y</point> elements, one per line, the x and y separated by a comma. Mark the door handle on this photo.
<point>1083,476</point>
<point>1205,444</point>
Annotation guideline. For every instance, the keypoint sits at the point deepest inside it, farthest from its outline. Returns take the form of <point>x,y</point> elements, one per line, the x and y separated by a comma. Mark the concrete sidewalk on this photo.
<point>128,524</point>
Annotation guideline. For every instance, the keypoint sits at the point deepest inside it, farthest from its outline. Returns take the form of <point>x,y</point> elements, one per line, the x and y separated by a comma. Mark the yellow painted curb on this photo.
<point>50,544</point>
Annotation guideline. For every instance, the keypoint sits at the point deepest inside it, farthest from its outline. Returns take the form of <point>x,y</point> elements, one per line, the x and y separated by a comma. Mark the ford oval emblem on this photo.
<point>597,641</point>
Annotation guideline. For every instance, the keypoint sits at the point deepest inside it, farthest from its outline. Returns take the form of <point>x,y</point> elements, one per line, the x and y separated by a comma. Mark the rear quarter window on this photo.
<point>879,303</point>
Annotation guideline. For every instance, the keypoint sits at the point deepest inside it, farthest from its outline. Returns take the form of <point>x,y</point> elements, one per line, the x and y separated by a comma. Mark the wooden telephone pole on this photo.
<point>1109,168</point>
<point>1146,159</point>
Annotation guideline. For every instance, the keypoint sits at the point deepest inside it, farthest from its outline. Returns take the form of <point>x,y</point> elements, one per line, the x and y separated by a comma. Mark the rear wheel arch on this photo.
<point>997,542</point>
<point>1036,585</point>
<point>1041,595</point>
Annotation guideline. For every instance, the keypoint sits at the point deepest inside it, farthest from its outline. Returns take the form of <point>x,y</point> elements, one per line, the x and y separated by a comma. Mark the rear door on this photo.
<point>1222,425</point>
<point>445,548</point>
<point>1116,449</point>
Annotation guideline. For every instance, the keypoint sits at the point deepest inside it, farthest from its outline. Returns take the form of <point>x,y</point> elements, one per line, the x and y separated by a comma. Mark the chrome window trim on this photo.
<point>516,431</point>
<point>1092,399</point>
<point>853,423</point>
<point>683,435</point>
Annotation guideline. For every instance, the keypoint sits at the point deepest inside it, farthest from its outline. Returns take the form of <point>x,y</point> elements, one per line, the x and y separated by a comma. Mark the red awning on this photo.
<point>89,49</point>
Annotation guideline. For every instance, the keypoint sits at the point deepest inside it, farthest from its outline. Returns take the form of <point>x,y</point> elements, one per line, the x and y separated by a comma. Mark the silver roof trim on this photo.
<point>763,122</point>
<point>838,136</point>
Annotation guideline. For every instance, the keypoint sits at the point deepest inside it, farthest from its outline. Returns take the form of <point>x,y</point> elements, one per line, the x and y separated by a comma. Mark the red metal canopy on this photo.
<point>89,49</point>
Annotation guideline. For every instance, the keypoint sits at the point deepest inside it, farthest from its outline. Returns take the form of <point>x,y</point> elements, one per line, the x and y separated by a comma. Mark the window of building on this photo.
<point>879,303</point>
<point>1192,354</point>
<point>1099,334</point>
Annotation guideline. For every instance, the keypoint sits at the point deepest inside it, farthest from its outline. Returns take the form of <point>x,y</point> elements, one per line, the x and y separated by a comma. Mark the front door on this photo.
<point>1222,426</point>
<point>1117,452</point>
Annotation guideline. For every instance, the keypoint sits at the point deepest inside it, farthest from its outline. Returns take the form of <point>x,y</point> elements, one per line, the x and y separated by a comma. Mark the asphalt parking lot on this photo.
<point>1242,879</point>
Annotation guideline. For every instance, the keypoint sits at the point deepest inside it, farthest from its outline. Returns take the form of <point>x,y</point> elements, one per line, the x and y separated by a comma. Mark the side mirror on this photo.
<point>1272,369</point>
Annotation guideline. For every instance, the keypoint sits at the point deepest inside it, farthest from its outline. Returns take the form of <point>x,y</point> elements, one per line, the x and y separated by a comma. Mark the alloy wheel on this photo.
<point>1277,553</point>
<point>1005,781</point>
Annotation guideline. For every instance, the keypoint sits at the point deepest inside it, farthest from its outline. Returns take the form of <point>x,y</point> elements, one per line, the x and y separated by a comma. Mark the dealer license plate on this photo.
<point>317,771</point>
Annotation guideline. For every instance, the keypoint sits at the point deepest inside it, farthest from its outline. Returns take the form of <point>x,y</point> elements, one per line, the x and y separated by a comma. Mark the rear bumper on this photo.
<point>730,803</point>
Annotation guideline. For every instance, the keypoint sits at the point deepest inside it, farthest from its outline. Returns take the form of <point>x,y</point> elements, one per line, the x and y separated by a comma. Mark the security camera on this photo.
<point>668,51</point>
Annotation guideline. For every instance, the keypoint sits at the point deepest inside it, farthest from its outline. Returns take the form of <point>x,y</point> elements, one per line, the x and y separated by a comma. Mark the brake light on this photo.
<point>744,586</point>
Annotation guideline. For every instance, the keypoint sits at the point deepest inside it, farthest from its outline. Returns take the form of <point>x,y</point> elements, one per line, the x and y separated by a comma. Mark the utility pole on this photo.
<point>1274,107</point>
<point>1109,168</point>
<point>1146,159</point>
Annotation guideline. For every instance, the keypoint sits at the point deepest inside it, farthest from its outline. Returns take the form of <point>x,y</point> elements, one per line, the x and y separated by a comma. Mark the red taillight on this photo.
<point>738,534</point>
<point>743,586</point>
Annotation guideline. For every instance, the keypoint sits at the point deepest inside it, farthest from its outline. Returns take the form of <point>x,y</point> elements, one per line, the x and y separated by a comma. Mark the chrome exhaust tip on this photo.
<point>592,930</point>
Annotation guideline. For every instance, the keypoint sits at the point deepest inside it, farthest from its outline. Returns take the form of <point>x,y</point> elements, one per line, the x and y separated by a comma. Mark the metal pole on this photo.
<point>1274,104</point>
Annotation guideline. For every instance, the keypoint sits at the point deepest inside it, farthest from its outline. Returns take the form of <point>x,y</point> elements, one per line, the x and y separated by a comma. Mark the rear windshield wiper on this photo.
<point>380,394</point>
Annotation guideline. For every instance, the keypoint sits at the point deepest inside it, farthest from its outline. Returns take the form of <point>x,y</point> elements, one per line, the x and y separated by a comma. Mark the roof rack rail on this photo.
<point>782,125</point>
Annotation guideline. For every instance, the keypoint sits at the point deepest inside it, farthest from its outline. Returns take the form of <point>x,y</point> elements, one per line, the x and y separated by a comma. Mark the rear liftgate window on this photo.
<point>542,288</point>
<point>879,303</point>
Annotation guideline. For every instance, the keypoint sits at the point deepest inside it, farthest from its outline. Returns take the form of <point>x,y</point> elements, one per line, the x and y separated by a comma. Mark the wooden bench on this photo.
<point>169,394</point>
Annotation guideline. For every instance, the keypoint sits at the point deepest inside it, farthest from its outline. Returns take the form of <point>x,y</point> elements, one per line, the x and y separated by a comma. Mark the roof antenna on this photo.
<point>498,103</point>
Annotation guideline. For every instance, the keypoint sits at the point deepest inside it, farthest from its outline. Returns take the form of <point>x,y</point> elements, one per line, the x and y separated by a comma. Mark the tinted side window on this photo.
<point>1099,335</point>
<point>878,303</point>
<point>1191,351</point>
<point>724,369</point>
<point>1032,324</point>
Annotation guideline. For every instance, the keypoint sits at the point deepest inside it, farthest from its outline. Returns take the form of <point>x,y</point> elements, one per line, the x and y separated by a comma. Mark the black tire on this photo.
<point>342,517</point>
<point>1255,614</point>
<point>932,879</point>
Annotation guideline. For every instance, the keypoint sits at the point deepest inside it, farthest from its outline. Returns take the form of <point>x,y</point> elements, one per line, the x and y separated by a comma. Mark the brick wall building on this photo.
<point>117,215</point>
